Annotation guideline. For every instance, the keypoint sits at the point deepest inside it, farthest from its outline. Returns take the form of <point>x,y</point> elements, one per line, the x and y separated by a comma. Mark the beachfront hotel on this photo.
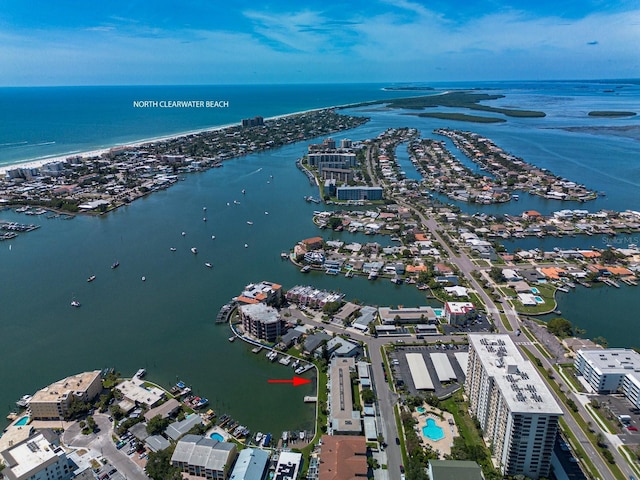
<point>517,413</point>
<point>53,402</point>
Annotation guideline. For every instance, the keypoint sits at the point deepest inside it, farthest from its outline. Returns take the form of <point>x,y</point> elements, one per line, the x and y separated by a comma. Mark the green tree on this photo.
<point>159,465</point>
<point>157,425</point>
<point>560,327</point>
<point>368,397</point>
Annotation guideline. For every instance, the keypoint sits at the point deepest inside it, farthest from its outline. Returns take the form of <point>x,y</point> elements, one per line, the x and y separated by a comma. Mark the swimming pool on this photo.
<point>535,290</point>
<point>421,409</point>
<point>432,431</point>
<point>539,299</point>
<point>439,312</point>
<point>23,421</point>
<point>217,436</point>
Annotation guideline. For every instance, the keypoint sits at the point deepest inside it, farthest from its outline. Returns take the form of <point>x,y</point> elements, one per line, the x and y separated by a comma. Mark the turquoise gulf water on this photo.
<point>165,324</point>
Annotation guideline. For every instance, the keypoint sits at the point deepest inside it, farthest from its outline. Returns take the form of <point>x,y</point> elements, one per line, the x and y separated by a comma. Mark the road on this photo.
<point>102,442</point>
<point>466,266</point>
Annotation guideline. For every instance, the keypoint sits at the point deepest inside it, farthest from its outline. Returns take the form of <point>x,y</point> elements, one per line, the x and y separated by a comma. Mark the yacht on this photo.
<point>144,279</point>
<point>208,265</point>
<point>305,269</point>
<point>231,339</point>
<point>249,222</point>
<point>243,191</point>
<point>91,278</point>
<point>373,274</point>
<point>75,303</point>
<point>259,438</point>
<point>115,264</point>
<point>194,250</point>
<point>184,233</point>
<point>213,237</point>
<point>173,249</point>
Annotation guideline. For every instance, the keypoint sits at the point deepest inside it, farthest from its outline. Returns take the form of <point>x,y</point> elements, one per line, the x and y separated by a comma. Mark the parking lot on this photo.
<point>402,374</point>
<point>614,406</point>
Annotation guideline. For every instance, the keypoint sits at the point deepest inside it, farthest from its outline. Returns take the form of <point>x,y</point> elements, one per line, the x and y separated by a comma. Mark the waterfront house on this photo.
<point>341,347</point>
<point>177,429</point>
<point>252,464</point>
<point>313,342</point>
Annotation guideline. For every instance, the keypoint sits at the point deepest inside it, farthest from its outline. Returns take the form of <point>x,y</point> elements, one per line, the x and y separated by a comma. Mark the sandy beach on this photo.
<point>38,162</point>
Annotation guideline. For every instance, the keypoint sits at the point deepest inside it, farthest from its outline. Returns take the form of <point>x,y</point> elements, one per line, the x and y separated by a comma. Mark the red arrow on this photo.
<point>297,381</point>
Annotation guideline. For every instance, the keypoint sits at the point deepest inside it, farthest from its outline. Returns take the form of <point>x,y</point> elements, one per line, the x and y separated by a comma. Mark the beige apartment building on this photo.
<point>52,402</point>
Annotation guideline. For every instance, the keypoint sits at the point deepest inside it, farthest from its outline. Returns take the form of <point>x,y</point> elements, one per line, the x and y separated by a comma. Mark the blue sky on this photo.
<point>63,42</point>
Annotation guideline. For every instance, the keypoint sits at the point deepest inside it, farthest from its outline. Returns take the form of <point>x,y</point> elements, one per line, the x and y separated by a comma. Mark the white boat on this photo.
<point>204,209</point>
<point>266,213</point>
<point>194,250</point>
<point>75,303</point>
<point>213,237</point>
<point>204,219</point>
<point>249,222</point>
<point>243,191</point>
<point>184,233</point>
<point>258,438</point>
<point>173,249</point>
<point>24,401</point>
<point>208,265</point>
<point>231,339</point>
<point>246,245</point>
<point>144,279</point>
<point>91,278</point>
<point>236,202</point>
<point>141,373</point>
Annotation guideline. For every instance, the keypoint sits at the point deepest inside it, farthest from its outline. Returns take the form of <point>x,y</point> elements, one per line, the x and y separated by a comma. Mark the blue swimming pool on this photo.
<point>23,421</point>
<point>432,431</point>
<point>539,299</point>
<point>439,312</point>
<point>421,409</point>
<point>535,290</point>
<point>217,436</point>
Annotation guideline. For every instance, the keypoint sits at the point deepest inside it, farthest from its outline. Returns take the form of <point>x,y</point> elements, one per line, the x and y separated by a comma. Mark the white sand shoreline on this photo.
<point>39,162</point>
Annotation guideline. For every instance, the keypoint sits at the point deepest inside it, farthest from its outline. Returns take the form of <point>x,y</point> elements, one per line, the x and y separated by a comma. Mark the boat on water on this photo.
<point>266,441</point>
<point>305,269</point>
<point>213,237</point>
<point>184,233</point>
<point>204,219</point>
<point>249,222</point>
<point>373,275</point>
<point>115,264</point>
<point>236,202</point>
<point>91,278</point>
<point>246,245</point>
<point>266,213</point>
<point>208,265</point>
<point>244,191</point>
<point>141,373</point>
<point>75,303</point>
<point>24,401</point>
<point>173,249</point>
<point>194,250</point>
<point>231,339</point>
<point>204,209</point>
<point>259,437</point>
<point>144,279</point>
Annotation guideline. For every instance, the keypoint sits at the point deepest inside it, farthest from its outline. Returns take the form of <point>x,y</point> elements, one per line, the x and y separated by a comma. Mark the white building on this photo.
<point>517,412</point>
<point>288,466</point>
<point>612,369</point>
<point>36,459</point>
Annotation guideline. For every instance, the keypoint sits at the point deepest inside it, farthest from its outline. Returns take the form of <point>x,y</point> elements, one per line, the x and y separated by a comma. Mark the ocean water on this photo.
<point>166,323</point>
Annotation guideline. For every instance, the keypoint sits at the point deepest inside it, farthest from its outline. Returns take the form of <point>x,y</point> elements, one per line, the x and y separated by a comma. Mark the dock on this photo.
<point>256,349</point>
<point>310,399</point>
<point>629,281</point>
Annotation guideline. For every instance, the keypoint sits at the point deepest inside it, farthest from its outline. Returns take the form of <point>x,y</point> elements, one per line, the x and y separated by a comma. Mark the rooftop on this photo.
<point>516,377</point>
